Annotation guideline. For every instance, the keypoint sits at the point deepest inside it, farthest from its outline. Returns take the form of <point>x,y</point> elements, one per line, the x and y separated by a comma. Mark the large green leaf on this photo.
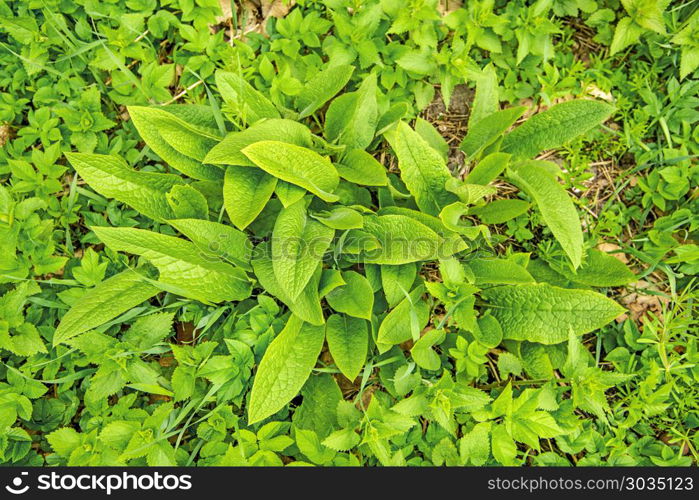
<point>104,302</point>
<point>248,104</point>
<point>183,268</point>
<point>555,126</point>
<point>422,169</point>
<point>180,144</point>
<point>111,177</point>
<point>483,133</point>
<point>402,239</point>
<point>360,167</point>
<point>216,241</point>
<point>297,165</point>
<point>230,150</point>
<point>322,87</point>
<point>555,205</point>
<point>284,368</point>
<point>544,313</point>
<point>298,245</point>
<point>352,118</point>
<point>348,340</point>
<point>246,191</point>
<point>354,298</point>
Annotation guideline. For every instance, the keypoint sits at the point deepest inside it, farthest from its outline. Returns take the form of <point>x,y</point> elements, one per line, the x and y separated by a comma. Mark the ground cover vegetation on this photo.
<point>349,232</point>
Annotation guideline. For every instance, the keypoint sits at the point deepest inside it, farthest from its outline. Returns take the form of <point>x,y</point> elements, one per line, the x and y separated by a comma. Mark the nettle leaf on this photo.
<point>246,191</point>
<point>104,302</point>
<point>483,133</point>
<point>216,241</point>
<point>348,342</point>
<point>230,150</point>
<point>307,305</point>
<point>555,127</point>
<point>187,203</point>
<point>360,167</point>
<point>321,88</point>
<point>298,245</point>
<point>402,240</point>
<point>111,177</point>
<point>180,144</point>
<point>488,169</point>
<point>423,170</point>
<point>297,165</point>
<point>183,268</point>
<point>555,206</point>
<point>544,313</point>
<point>500,211</point>
<point>284,368</point>
<point>248,104</point>
<point>600,270</point>
<point>354,298</point>
<point>352,118</point>
<point>406,320</point>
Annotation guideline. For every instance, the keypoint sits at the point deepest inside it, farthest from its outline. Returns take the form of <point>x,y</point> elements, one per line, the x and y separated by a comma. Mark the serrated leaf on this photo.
<point>112,178</point>
<point>104,302</point>
<point>423,170</point>
<point>284,368</point>
<point>555,127</point>
<point>298,245</point>
<point>183,269</point>
<point>348,340</point>
<point>544,313</point>
<point>297,165</point>
<point>556,207</point>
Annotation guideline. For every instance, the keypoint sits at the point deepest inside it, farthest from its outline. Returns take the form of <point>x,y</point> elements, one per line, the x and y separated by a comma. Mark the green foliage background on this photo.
<point>168,380</point>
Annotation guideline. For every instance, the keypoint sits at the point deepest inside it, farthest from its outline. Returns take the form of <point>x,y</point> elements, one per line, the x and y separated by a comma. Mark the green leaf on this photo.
<point>181,145</point>
<point>187,203</point>
<point>544,313</point>
<point>112,178</point>
<point>498,272</point>
<point>600,270</point>
<point>360,167</point>
<point>422,169</point>
<point>430,134</point>
<point>555,206</point>
<point>307,305</point>
<point>486,100</point>
<point>297,165</point>
<point>402,239</point>
<point>183,268</point>
<point>500,211</point>
<point>246,191</point>
<point>422,352</point>
<point>555,127</point>
<point>247,103</point>
<point>288,193</point>
<point>348,341</point>
<point>230,150</point>
<point>321,88</point>
<point>216,241</point>
<point>104,302</point>
<point>474,446</point>
<point>340,218</point>
<point>396,281</point>
<point>355,297</point>
<point>284,368</point>
<point>298,245</point>
<point>483,133</point>
<point>352,118</point>
<point>411,314</point>
<point>488,169</point>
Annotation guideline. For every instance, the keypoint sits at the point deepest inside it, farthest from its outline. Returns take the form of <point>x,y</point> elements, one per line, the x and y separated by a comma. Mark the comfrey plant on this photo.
<point>364,255</point>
